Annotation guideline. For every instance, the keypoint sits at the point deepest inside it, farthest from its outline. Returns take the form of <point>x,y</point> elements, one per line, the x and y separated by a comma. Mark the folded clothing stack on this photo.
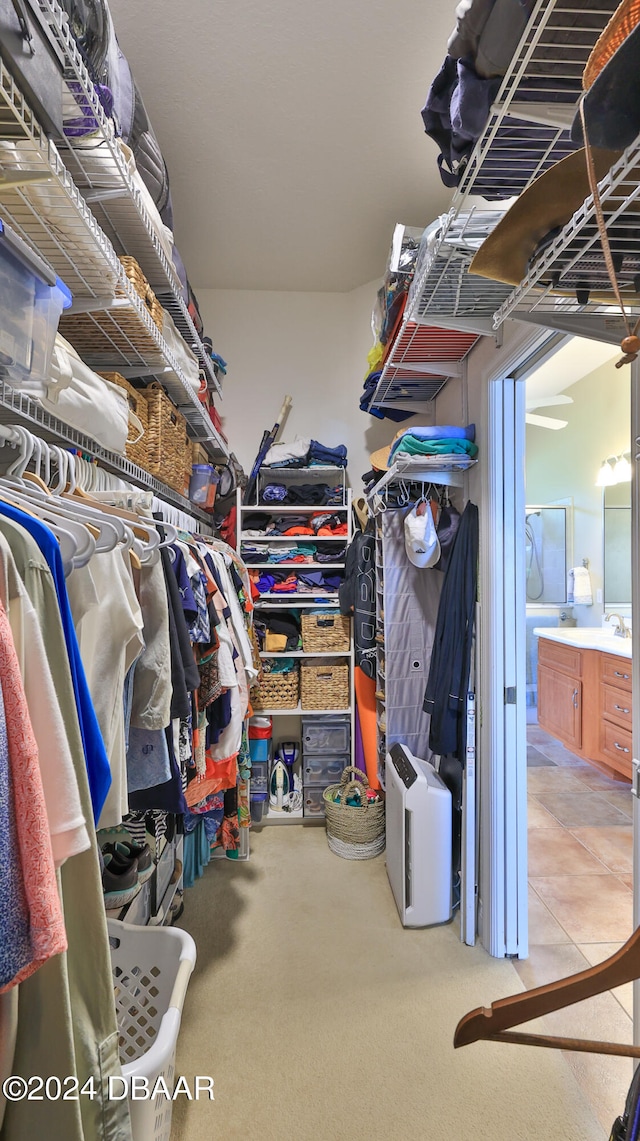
<point>304,452</point>
<point>279,630</point>
<point>302,494</point>
<point>258,524</point>
<point>435,440</point>
<point>291,552</point>
<point>311,582</point>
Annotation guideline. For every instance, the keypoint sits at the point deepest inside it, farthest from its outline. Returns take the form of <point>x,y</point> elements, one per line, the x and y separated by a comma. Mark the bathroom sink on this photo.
<point>587,637</point>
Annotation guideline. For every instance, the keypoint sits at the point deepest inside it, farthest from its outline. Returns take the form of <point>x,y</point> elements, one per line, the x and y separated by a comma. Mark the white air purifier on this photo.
<point>419,834</point>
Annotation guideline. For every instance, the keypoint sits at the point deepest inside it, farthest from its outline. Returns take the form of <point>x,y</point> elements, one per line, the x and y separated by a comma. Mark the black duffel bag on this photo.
<point>30,52</point>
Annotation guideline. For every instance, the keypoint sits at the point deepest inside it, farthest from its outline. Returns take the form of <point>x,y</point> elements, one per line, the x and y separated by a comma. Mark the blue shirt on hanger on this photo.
<point>98,769</point>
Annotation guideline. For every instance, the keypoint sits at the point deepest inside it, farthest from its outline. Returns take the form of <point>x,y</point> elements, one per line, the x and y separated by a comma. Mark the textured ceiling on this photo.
<point>291,130</point>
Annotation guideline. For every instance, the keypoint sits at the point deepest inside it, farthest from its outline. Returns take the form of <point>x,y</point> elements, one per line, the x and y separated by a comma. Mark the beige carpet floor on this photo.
<point>319,1017</point>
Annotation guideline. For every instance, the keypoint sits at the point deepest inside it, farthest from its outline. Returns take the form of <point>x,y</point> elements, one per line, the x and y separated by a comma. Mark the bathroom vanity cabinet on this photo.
<point>584,697</point>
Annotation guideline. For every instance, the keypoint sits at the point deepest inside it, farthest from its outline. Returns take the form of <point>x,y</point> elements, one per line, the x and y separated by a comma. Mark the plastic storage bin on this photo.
<point>259,750</point>
<point>203,485</point>
<point>260,728</point>
<point>319,770</point>
<point>151,968</point>
<point>313,803</point>
<point>326,735</point>
<point>32,299</point>
<point>259,776</point>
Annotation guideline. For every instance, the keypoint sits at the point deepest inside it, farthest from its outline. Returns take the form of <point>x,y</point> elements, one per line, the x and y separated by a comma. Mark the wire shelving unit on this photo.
<point>528,128</point>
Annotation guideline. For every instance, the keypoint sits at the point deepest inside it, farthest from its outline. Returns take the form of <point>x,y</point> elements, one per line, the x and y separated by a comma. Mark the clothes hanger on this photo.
<point>15,492</point>
<point>493,1024</point>
<point>145,540</point>
<point>106,534</point>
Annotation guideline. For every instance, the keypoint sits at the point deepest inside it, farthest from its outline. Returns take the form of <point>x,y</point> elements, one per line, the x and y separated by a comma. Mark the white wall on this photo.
<point>311,345</point>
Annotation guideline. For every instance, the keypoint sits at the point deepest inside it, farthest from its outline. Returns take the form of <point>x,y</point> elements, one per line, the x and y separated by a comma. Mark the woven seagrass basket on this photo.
<point>169,445</point>
<point>138,453</point>
<point>276,691</point>
<point>324,632</point>
<point>324,685</point>
<point>143,289</point>
<point>355,832</point>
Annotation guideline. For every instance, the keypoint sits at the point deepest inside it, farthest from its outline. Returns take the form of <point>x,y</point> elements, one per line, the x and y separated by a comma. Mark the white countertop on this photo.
<point>586,638</point>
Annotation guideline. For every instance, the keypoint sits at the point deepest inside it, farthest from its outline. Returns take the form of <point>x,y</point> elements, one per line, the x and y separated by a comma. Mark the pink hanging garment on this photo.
<point>46,924</point>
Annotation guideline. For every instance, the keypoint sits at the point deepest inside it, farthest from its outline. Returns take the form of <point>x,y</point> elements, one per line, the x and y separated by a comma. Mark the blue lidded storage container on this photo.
<point>32,300</point>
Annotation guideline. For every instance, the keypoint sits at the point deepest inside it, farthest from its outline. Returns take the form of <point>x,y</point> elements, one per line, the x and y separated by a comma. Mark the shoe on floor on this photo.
<point>120,882</point>
<point>126,850</point>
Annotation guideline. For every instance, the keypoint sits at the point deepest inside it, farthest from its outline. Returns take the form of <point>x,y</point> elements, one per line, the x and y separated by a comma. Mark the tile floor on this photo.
<point>580,904</point>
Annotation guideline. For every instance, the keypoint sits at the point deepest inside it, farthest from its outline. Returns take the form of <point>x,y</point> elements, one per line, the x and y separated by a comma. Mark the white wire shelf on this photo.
<point>120,335</point>
<point>99,169</point>
<point>18,408</point>
<point>443,293</point>
<point>447,310</point>
<point>51,214</point>
<point>574,264</point>
<point>447,471</point>
<point>421,361</point>
<point>116,331</point>
<point>528,128</point>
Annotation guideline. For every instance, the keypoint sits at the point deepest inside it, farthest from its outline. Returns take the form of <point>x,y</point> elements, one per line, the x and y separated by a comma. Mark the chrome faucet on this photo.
<point>621,630</point>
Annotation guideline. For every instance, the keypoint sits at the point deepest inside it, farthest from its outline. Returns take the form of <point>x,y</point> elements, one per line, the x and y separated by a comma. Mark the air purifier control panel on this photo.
<point>402,765</point>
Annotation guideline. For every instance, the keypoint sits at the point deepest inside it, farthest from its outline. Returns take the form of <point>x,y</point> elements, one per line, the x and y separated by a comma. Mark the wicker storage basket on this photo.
<point>138,453</point>
<point>324,632</point>
<point>199,454</point>
<point>276,691</point>
<point>143,289</point>
<point>168,443</point>
<point>355,832</point>
<point>325,685</point>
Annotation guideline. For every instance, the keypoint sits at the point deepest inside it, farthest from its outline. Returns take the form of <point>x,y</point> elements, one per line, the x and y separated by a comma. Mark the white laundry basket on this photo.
<point>151,969</point>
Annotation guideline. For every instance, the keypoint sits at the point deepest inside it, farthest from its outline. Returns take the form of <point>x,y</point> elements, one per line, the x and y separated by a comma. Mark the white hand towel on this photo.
<point>582,594</point>
<point>570,585</point>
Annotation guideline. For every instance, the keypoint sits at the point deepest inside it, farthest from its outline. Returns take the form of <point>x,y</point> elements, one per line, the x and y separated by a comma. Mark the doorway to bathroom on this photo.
<point>577,552</point>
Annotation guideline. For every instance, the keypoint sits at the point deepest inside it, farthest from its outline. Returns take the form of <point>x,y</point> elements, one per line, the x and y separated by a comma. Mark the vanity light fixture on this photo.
<point>622,470</point>
<point>606,476</point>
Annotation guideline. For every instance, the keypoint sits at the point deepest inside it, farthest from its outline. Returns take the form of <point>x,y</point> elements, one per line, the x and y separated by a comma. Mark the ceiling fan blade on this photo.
<point>545,422</point>
<point>548,402</point>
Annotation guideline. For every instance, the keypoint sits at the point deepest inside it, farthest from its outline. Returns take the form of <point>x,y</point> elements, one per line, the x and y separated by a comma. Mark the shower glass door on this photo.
<point>546,533</point>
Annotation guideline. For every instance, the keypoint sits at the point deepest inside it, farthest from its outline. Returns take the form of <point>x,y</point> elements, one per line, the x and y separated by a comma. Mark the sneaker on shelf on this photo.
<point>126,850</point>
<point>120,882</point>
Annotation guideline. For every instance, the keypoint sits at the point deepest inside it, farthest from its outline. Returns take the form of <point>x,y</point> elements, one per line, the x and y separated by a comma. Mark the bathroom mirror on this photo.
<point>617,545</point>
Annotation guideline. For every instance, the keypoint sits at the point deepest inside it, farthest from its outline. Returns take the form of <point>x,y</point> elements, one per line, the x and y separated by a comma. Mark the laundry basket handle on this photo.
<point>345,779</point>
<point>349,789</point>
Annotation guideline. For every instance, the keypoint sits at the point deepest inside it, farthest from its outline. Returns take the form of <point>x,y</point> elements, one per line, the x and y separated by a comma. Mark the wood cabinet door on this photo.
<point>560,705</point>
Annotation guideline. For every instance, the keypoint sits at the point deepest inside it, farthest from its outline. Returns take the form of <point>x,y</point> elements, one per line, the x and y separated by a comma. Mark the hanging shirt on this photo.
<point>152,689</point>
<point>47,935</point>
<point>97,762</point>
<point>67,827</point>
<point>108,622</point>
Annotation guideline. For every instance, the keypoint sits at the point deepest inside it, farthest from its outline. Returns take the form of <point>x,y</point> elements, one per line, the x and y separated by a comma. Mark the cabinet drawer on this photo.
<point>615,705</point>
<point>565,659</point>
<point>616,671</point>
<point>615,743</point>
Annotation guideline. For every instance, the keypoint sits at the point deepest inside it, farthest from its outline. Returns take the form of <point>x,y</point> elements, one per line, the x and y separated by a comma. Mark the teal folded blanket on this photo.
<point>414,447</point>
